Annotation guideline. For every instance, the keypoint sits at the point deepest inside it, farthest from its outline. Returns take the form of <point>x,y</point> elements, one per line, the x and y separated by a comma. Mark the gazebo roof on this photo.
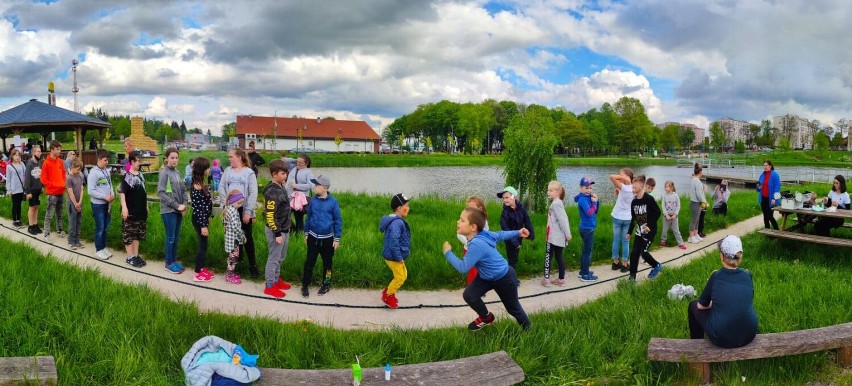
<point>39,117</point>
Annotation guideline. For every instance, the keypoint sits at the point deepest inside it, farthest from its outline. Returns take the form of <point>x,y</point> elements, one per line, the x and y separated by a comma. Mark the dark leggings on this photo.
<point>512,255</point>
<point>640,247</point>
<point>697,320</point>
<point>550,252</point>
<point>299,223</point>
<point>201,253</point>
<point>701,221</point>
<point>249,245</point>
<point>323,247</point>
<point>768,218</point>
<point>824,226</point>
<point>17,200</point>
<point>506,288</point>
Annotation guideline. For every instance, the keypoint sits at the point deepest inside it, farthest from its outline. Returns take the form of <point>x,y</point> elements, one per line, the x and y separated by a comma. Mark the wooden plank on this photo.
<point>763,346</point>
<point>28,370</point>
<point>490,369</point>
<point>835,241</point>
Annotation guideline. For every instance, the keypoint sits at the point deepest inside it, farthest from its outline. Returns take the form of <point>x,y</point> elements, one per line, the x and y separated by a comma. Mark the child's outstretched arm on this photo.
<point>467,261</point>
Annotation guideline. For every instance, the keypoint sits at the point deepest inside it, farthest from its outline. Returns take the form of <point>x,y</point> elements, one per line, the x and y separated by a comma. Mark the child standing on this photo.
<point>53,180</point>
<point>558,233</point>
<point>396,247</point>
<point>621,218</point>
<point>473,202</point>
<point>645,214</point>
<point>323,228</point>
<point>74,185</point>
<point>172,194</point>
<point>32,188</point>
<point>720,199</point>
<point>278,224</point>
<point>494,272</point>
<point>234,236</point>
<point>671,210</point>
<point>187,174</point>
<point>15,175</point>
<point>101,194</point>
<point>588,205</point>
<point>202,210</point>
<point>514,217</point>
<point>650,185</point>
<point>134,210</point>
<point>216,174</point>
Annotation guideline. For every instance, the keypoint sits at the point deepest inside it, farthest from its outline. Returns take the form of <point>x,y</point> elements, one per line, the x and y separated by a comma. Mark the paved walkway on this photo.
<point>357,308</point>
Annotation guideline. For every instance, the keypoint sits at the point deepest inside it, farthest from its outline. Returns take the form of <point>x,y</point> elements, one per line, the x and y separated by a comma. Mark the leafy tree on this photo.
<point>635,130</point>
<point>820,144</point>
<point>685,137</point>
<point>717,135</point>
<point>739,147</point>
<point>767,137</point>
<point>669,137</point>
<point>784,144</point>
<point>753,134</point>
<point>183,128</point>
<point>229,130</point>
<point>837,140</point>
<point>474,120</point>
<point>337,141</point>
<point>528,156</point>
<point>573,133</point>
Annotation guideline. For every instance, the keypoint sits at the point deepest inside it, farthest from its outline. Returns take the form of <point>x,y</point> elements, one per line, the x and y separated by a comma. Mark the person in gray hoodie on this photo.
<point>239,176</point>
<point>100,191</point>
<point>15,175</point>
<point>558,233</point>
<point>299,180</point>
<point>172,193</point>
<point>32,188</point>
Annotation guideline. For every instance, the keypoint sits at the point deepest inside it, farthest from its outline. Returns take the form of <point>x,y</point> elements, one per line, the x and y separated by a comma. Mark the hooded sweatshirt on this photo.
<point>32,182</point>
<point>397,243</point>
<point>53,176</point>
<point>276,212</point>
<point>515,219</point>
<point>99,185</point>
<point>558,227</point>
<point>244,181</point>
<point>482,254</point>
<point>171,190</point>
<point>588,211</point>
<point>324,219</point>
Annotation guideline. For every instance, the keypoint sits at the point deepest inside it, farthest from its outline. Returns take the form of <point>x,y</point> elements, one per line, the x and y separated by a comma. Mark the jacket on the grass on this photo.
<point>397,243</point>
<point>276,211</point>
<point>324,219</point>
<point>201,374</point>
<point>482,253</point>
<point>515,219</point>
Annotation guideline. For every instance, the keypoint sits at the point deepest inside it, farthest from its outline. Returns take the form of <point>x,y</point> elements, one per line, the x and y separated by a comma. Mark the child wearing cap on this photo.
<point>514,217</point>
<point>396,247</point>
<point>558,233</point>
<point>323,228</point>
<point>725,309</point>
<point>588,205</point>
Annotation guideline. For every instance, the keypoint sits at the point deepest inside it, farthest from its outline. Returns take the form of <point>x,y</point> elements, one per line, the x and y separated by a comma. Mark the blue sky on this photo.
<point>374,60</point>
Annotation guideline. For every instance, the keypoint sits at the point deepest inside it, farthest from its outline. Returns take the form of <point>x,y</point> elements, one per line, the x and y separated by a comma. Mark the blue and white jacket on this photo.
<point>397,244</point>
<point>324,219</point>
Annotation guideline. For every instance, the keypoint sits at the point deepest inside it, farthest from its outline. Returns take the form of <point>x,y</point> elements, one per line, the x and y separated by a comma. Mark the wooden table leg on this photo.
<point>702,370</point>
<point>784,221</point>
<point>844,357</point>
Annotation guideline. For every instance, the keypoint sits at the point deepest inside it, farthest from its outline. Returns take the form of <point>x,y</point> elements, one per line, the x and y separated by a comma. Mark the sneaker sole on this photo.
<point>174,272</point>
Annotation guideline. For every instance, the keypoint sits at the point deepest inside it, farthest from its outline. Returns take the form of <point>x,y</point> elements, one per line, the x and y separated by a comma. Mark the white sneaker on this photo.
<point>698,239</point>
<point>107,253</point>
<point>101,254</point>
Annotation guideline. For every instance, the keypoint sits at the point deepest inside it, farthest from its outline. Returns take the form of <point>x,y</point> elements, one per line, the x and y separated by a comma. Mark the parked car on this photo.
<point>307,150</point>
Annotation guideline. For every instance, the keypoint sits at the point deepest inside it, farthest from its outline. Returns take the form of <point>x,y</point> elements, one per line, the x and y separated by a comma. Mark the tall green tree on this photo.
<point>717,135</point>
<point>685,137</point>
<point>573,133</point>
<point>528,156</point>
<point>669,137</point>
<point>474,121</point>
<point>635,130</point>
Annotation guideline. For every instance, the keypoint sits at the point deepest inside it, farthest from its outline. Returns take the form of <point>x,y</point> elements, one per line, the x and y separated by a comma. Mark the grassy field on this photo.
<point>111,334</point>
<point>358,261</point>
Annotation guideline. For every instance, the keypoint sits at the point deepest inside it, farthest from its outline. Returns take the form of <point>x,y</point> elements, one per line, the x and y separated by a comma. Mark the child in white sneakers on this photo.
<point>671,210</point>
<point>558,233</point>
<point>234,236</point>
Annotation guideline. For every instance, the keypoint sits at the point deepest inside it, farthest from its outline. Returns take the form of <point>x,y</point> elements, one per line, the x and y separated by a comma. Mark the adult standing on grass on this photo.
<point>255,158</point>
<point>725,309</point>
<point>697,201</point>
<point>15,175</point>
<point>134,210</point>
<point>768,184</point>
<point>621,218</point>
<point>53,179</point>
<point>514,217</point>
<point>172,193</point>
<point>101,194</point>
<point>33,187</point>
<point>298,189</point>
<point>838,198</point>
<point>241,177</point>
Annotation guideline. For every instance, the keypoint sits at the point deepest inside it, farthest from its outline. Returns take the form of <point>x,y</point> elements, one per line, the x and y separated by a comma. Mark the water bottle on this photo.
<point>387,371</point>
<point>356,374</point>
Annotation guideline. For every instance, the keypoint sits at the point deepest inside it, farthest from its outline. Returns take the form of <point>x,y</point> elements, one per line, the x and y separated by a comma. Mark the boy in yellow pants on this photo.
<point>396,247</point>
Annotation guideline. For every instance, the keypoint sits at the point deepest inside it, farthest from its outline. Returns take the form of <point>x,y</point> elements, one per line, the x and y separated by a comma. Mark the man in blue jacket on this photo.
<point>514,217</point>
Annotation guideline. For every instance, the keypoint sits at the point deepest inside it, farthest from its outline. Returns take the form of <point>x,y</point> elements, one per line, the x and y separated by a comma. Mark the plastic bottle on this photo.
<point>356,374</point>
<point>387,371</point>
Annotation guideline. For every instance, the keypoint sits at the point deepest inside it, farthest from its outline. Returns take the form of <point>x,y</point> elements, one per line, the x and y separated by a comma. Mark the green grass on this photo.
<point>358,262</point>
<point>828,159</point>
<point>105,333</point>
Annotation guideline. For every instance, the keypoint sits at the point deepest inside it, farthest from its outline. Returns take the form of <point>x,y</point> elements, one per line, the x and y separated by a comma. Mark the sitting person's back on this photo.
<point>725,309</point>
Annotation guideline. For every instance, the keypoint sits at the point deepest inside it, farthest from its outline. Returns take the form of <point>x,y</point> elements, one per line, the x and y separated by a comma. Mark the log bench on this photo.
<point>699,353</point>
<point>28,371</point>
<point>495,369</point>
<point>808,238</point>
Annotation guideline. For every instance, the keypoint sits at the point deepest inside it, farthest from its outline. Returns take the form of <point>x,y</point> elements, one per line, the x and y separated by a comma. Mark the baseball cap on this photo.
<point>585,181</point>
<point>321,180</point>
<point>730,246</point>
<point>509,189</point>
<point>398,200</point>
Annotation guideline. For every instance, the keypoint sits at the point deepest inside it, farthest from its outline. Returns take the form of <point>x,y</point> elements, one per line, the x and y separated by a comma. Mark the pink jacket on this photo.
<point>299,201</point>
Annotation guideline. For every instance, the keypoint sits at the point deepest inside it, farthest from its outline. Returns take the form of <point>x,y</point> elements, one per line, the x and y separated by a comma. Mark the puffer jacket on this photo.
<point>397,243</point>
<point>202,374</point>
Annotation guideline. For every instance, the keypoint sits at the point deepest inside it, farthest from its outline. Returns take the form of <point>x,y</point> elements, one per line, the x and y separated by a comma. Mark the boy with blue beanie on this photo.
<point>588,205</point>
<point>396,247</point>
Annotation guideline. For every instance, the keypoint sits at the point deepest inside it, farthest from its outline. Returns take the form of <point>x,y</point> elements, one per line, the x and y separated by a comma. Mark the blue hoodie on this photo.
<point>397,238</point>
<point>482,254</point>
<point>588,211</point>
<point>324,219</point>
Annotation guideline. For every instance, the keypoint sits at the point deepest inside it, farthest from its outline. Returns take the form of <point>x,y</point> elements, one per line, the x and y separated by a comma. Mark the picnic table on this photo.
<point>803,213</point>
<point>119,168</point>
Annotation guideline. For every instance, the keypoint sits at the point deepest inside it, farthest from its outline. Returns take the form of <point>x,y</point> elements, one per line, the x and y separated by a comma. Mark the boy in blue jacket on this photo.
<point>494,272</point>
<point>588,205</point>
<point>396,247</point>
<point>323,228</point>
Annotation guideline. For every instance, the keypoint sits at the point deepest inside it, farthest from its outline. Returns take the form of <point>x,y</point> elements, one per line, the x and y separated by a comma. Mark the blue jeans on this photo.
<point>619,231</point>
<point>172,223</point>
<point>102,219</point>
<point>586,255</point>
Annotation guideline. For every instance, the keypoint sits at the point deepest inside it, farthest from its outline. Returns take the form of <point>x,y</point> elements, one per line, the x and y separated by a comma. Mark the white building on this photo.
<point>303,134</point>
<point>799,130</point>
<point>734,129</point>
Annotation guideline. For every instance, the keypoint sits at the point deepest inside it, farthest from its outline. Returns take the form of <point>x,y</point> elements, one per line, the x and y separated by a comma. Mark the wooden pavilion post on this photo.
<point>101,138</point>
<point>4,135</point>
<point>79,141</point>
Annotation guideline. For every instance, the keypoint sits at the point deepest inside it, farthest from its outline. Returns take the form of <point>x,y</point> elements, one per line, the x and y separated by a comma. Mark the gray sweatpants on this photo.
<point>74,220</point>
<point>671,224</point>
<point>276,256</point>
<point>54,206</point>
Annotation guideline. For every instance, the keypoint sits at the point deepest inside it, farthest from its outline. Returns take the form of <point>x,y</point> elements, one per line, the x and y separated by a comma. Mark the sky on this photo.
<point>204,62</point>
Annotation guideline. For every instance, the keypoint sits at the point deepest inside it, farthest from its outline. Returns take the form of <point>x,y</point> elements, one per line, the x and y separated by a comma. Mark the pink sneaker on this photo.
<point>233,278</point>
<point>207,273</point>
<point>663,243</point>
<point>682,246</point>
<point>201,277</point>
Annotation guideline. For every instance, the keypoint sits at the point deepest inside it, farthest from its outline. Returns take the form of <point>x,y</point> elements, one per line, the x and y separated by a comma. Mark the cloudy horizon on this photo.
<point>374,60</point>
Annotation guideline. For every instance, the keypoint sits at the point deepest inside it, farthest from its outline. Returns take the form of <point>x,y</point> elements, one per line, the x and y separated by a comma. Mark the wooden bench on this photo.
<point>804,237</point>
<point>495,369</point>
<point>699,353</point>
<point>28,371</point>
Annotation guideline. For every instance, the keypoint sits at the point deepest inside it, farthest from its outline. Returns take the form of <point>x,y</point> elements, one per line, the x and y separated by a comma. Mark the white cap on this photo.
<point>730,246</point>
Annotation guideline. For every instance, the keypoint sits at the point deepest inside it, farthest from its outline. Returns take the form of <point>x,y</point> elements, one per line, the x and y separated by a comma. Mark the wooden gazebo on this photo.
<point>42,118</point>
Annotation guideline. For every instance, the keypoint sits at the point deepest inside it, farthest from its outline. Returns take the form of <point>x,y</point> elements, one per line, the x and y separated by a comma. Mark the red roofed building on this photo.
<point>275,133</point>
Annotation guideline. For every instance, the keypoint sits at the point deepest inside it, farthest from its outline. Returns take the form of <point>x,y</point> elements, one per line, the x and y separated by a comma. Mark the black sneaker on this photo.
<point>305,292</point>
<point>31,230</point>
<point>702,235</point>
<point>135,262</point>
<point>625,268</point>
<point>616,266</point>
<point>479,323</point>
<point>324,288</point>
<point>253,273</point>
<point>37,229</point>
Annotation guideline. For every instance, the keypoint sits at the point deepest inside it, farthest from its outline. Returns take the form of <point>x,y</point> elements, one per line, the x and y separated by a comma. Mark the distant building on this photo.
<point>699,132</point>
<point>798,130</point>
<point>275,133</point>
<point>734,129</point>
<point>198,139</point>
